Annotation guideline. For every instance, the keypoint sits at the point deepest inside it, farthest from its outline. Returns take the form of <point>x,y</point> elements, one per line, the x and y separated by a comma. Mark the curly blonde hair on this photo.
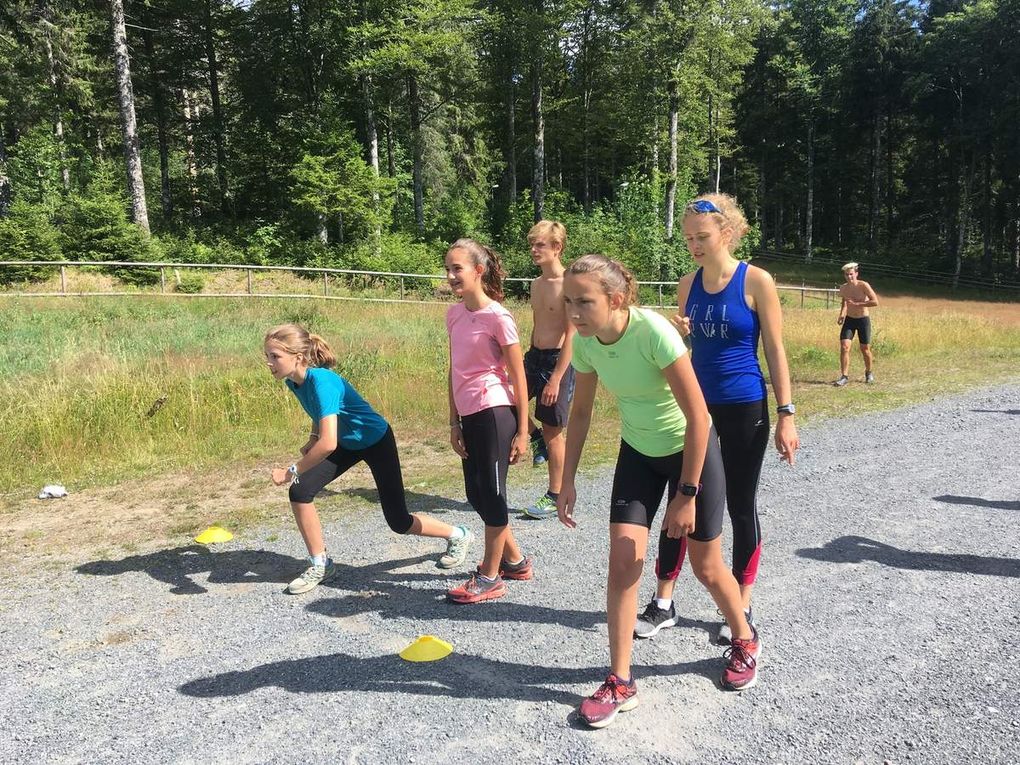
<point>730,217</point>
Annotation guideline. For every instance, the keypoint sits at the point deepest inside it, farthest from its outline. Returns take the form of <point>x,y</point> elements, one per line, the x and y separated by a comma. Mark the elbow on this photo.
<point>326,444</point>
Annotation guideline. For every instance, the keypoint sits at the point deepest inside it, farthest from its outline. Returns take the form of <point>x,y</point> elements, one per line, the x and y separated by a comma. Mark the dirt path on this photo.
<point>887,606</point>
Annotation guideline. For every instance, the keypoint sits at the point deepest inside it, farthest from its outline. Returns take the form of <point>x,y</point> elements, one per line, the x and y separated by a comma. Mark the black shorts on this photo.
<point>639,481</point>
<point>539,364</point>
<point>861,326</point>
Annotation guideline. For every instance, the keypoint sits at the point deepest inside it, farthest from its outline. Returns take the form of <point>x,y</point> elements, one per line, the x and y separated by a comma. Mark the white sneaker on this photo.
<point>456,549</point>
<point>726,634</point>
<point>312,577</point>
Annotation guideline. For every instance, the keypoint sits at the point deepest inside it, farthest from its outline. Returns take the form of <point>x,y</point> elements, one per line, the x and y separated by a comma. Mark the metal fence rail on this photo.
<point>665,290</point>
<point>930,277</point>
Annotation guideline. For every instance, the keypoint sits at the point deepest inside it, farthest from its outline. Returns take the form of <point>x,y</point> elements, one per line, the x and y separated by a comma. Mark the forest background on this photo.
<point>368,134</point>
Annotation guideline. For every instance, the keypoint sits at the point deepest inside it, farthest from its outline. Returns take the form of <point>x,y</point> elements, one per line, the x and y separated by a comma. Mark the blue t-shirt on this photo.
<point>724,342</point>
<point>324,392</point>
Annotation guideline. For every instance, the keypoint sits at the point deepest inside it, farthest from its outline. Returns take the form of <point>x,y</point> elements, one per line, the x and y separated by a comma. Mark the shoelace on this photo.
<point>738,652</point>
<point>652,610</point>
<point>608,689</point>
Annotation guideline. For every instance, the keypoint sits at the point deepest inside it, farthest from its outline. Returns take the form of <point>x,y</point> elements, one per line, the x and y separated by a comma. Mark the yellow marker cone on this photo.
<point>427,648</point>
<point>214,534</point>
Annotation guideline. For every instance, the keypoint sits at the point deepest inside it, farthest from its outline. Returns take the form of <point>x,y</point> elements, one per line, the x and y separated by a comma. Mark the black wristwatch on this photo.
<point>689,489</point>
<point>786,409</point>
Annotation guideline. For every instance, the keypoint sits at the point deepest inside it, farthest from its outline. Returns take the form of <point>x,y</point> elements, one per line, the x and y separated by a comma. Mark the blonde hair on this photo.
<point>849,267</point>
<point>488,258</point>
<point>295,339</point>
<point>613,276</point>
<point>730,216</point>
<point>553,229</point>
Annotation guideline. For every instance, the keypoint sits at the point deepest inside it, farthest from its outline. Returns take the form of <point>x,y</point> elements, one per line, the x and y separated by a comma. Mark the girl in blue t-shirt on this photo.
<point>345,431</point>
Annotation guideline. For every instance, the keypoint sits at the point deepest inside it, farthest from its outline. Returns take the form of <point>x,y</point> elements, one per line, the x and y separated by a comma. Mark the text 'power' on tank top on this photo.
<point>724,341</point>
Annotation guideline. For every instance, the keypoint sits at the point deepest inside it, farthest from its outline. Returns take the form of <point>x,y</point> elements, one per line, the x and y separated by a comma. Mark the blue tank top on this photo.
<point>724,342</point>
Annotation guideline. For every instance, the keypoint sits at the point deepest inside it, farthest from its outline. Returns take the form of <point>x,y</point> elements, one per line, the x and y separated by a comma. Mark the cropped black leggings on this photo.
<point>488,437</point>
<point>382,460</point>
<point>743,437</point>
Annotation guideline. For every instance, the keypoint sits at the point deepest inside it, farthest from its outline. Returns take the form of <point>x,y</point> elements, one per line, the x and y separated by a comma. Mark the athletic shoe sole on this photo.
<point>655,630</point>
<point>539,516</point>
<point>626,706</point>
<point>497,592</point>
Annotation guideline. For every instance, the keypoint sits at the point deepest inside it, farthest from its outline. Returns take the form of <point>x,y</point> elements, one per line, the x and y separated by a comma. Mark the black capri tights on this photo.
<point>638,485</point>
<point>488,438</point>
<point>382,460</point>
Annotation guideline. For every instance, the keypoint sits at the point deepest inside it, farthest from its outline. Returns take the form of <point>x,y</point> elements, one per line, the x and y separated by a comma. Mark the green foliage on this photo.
<point>26,234</point>
<point>190,282</point>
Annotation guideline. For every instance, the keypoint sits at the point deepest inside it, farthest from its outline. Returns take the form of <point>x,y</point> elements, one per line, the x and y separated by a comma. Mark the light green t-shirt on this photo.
<point>631,369</point>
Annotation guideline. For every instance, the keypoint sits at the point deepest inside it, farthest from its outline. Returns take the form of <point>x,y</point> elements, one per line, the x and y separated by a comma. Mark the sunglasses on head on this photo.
<point>703,206</point>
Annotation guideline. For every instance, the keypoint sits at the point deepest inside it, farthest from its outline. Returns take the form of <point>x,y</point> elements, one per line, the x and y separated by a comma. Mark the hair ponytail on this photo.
<point>319,353</point>
<point>486,257</point>
<point>295,339</point>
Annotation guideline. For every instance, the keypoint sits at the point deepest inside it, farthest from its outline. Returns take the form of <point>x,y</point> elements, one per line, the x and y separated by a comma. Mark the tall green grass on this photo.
<point>80,378</point>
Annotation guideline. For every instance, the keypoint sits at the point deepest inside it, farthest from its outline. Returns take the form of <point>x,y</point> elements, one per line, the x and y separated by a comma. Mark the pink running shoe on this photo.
<point>741,658</point>
<point>476,589</point>
<point>614,695</point>
<point>520,571</point>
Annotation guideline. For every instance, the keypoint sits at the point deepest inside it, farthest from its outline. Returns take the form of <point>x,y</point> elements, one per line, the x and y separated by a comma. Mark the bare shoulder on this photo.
<point>686,280</point>
<point>759,277</point>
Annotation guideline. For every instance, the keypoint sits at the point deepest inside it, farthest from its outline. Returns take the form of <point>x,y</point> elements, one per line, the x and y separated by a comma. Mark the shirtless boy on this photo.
<point>858,297</point>
<point>547,363</point>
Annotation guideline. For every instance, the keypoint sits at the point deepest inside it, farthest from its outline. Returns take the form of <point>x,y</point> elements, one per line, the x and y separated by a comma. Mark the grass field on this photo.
<point>172,397</point>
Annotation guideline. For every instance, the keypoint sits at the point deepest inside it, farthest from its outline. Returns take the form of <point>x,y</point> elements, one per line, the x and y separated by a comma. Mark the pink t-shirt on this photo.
<point>478,373</point>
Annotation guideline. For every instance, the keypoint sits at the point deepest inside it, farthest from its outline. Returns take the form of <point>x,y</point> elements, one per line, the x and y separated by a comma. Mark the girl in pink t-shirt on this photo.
<point>488,421</point>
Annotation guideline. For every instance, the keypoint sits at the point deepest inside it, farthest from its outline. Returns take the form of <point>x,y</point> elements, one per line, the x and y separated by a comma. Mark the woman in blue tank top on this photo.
<point>725,307</point>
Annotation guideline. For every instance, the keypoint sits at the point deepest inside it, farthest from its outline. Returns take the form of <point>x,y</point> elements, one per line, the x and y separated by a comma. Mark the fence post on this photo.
<point>401,287</point>
<point>801,293</point>
<point>248,271</point>
<point>325,284</point>
<point>660,296</point>
<point>63,280</point>
<point>162,279</point>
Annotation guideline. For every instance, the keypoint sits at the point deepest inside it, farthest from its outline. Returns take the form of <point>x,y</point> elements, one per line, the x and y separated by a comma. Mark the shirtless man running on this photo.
<point>858,297</point>
<point>547,363</point>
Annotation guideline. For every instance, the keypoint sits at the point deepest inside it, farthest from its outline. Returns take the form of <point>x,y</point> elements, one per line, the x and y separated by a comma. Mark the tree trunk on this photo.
<point>373,158</point>
<point>214,94</point>
<point>511,139</point>
<point>987,265</point>
<point>129,127</point>
<point>674,108</point>
<point>418,151</point>
<point>809,217</point>
<point>321,231</point>
<point>586,113</point>
<point>760,214</point>
<point>538,180</point>
<point>58,120</point>
<point>876,191</point>
<point>189,143</point>
<point>391,166</point>
<point>5,180</point>
<point>165,198</point>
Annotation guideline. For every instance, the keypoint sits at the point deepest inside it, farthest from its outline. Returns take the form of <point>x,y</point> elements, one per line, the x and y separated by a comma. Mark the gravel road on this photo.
<point>888,602</point>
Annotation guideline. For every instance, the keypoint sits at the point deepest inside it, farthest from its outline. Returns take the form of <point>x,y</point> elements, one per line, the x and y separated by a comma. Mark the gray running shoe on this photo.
<point>841,381</point>
<point>654,619</point>
<point>312,577</point>
<point>726,634</point>
<point>456,549</point>
<point>869,377</point>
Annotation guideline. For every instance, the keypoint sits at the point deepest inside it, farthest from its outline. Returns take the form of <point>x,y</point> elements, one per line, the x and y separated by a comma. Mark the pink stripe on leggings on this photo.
<point>750,572</point>
<point>671,575</point>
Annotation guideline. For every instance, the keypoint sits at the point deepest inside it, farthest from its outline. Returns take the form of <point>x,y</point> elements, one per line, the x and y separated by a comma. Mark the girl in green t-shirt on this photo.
<point>667,443</point>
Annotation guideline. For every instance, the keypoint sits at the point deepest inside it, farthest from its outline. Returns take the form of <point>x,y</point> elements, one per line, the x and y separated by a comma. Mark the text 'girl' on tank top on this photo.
<point>724,341</point>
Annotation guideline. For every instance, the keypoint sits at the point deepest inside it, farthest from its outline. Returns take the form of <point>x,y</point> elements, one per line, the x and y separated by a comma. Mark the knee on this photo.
<point>624,568</point>
<point>400,525</point>
<point>710,573</point>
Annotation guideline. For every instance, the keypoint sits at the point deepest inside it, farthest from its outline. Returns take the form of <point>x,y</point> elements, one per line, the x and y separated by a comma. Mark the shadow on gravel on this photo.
<point>176,565</point>
<point>995,504</point>
<point>997,411</point>
<point>458,676</point>
<point>852,549</point>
